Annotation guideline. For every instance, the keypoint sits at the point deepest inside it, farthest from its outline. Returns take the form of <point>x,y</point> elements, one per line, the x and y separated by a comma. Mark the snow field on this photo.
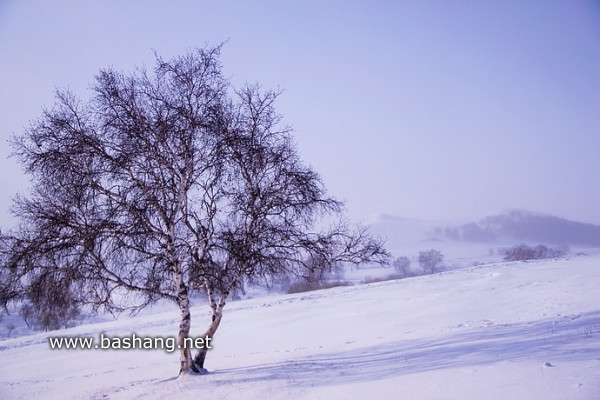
<point>524,330</point>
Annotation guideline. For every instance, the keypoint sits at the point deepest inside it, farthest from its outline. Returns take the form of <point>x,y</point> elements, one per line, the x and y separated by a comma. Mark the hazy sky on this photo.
<point>423,109</point>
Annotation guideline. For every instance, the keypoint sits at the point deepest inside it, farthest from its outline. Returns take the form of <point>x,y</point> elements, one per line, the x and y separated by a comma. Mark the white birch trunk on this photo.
<point>217,314</point>
<point>186,364</point>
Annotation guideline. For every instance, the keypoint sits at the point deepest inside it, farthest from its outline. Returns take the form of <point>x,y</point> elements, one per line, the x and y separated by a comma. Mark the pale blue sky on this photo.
<point>423,109</point>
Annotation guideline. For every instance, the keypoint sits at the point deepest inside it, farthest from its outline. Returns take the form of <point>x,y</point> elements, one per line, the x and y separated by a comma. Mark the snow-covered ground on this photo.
<point>518,330</point>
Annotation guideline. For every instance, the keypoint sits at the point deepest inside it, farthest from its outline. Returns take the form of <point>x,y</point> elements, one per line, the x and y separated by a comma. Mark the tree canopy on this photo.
<point>164,183</point>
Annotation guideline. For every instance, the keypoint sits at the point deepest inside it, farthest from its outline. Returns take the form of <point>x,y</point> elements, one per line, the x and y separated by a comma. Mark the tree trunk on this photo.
<point>210,332</point>
<point>185,354</point>
<point>217,314</point>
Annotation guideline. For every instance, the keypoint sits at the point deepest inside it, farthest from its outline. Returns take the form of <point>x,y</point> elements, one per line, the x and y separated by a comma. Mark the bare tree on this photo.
<point>167,183</point>
<point>430,260</point>
<point>49,302</point>
<point>402,266</point>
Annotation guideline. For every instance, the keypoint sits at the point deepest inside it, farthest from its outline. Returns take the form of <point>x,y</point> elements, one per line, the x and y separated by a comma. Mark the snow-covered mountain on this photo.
<point>517,330</point>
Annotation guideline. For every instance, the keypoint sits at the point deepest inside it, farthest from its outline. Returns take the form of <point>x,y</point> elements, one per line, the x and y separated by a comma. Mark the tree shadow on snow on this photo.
<point>572,338</point>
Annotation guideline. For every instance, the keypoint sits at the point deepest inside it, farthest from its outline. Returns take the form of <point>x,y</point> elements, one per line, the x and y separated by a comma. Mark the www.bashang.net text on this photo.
<point>103,342</point>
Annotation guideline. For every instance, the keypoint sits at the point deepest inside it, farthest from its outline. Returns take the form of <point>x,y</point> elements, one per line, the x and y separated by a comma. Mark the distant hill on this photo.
<point>524,226</point>
<point>482,240</point>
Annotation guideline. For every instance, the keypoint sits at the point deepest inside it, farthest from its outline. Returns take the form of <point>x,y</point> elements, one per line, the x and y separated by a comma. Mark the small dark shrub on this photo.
<point>306,286</point>
<point>390,277</point>
<point>523,252</point>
